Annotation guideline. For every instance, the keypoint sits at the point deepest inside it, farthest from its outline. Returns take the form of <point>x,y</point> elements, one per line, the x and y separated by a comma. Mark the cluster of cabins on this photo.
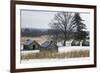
<point>49,45</point>
<point>34,45</point>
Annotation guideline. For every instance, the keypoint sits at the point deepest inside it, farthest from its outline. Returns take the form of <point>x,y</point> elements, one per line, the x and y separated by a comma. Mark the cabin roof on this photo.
<point>48,44</point>
<point>28,42</point>
<point>45,44</point>
<point>36,42</point>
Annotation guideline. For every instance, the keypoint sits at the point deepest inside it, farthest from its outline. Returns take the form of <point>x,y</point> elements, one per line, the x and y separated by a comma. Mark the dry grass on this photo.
<point>52,55</point>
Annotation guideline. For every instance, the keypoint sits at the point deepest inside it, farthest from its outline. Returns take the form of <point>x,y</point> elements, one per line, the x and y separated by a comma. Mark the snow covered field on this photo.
<point>30,51</point>
<point>60,49</point>
<point>72,48</point>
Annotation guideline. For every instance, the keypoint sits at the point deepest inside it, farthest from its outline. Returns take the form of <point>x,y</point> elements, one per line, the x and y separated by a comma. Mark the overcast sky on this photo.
<point>41,19</point>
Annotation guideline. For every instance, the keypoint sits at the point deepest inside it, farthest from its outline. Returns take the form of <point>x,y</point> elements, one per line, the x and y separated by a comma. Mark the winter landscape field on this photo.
<point>59,35</point>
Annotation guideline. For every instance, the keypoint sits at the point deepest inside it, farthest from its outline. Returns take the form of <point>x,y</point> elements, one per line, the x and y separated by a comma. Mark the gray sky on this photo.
<point>41,19</point>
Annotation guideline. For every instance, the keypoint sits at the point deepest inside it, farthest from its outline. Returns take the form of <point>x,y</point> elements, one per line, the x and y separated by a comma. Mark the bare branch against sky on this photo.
<point>41,19</point>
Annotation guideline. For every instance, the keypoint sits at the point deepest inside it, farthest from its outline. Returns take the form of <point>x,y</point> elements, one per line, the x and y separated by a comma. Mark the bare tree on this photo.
<point>63,21</point>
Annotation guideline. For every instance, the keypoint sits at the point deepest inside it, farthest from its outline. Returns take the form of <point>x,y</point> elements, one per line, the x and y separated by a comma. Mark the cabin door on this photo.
<point>34,47</point>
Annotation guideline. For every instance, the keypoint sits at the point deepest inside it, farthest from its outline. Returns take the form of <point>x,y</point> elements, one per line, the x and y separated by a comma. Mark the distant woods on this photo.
<point>33,32</point>
<point>68,23</point>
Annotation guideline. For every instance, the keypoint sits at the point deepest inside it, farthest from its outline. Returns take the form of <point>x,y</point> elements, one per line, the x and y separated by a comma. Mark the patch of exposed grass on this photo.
<point>52,55</point>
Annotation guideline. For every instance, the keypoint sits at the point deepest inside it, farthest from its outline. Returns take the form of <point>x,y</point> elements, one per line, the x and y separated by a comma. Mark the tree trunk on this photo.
<point>64,44</point>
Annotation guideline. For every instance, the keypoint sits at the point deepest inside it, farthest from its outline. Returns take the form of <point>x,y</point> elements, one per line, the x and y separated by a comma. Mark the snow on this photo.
<point>30,51</point>
<point>68,43</point>
<point>72,48</point>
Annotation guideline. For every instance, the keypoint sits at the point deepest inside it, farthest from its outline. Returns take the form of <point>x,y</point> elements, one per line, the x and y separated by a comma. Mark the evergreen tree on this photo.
<point>80,27</point>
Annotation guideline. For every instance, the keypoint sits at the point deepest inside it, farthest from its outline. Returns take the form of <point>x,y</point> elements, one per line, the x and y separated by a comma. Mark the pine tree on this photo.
<point>80,27</point>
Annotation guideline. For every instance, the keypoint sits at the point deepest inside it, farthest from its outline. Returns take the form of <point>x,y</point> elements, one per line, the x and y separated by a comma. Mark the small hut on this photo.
<point>85,43</point>
<point>36,45</point>
<point>75,43</point>
<point>31,45</point>
<point>49,46</point>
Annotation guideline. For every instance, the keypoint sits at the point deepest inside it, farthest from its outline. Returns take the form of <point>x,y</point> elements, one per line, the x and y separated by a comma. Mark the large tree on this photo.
<point>80,27</point>
<point>63,22</point>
